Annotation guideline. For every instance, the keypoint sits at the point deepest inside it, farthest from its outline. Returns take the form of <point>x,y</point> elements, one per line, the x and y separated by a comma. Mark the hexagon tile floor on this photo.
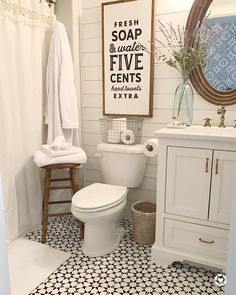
<point>127,270</point>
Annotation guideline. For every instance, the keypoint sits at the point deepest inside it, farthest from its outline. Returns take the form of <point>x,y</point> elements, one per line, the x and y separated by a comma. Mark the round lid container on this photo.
<point>121,148</point>
<point>98,195</point>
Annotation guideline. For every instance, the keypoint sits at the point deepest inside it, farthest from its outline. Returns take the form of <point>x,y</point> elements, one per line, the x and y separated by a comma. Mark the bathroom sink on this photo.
<point>199,132</point>
<point>214,130</point>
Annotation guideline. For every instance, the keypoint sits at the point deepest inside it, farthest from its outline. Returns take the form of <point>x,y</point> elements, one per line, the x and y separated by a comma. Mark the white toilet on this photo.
<point>100,205</point>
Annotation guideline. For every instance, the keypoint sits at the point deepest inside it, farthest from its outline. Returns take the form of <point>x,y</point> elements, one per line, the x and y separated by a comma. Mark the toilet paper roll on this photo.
<point>113,136</point>
<point>151,147</point>
<point>119,124</point>
<point>127,137</point>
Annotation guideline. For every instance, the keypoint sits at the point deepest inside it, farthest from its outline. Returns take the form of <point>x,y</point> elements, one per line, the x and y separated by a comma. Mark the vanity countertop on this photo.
<point>198,132</point>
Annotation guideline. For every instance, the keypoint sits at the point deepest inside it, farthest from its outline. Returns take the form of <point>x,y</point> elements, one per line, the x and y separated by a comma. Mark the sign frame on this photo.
<point>110,103</point>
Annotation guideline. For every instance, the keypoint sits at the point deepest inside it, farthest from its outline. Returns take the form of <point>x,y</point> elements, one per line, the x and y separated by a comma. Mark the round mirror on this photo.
<point>217,81</point>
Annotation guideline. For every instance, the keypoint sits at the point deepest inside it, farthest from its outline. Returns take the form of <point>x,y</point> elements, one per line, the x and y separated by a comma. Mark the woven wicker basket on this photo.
<point>144,222</point>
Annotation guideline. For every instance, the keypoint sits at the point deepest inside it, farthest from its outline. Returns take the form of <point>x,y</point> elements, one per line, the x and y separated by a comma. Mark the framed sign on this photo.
<point>127,32</point>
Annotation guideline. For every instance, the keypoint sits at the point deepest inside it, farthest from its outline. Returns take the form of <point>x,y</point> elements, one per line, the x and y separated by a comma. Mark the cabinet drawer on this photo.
<point>196,239</point>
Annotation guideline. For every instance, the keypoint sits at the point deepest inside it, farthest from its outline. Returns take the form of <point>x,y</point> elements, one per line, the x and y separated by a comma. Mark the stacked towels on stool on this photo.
<point>59,152</point>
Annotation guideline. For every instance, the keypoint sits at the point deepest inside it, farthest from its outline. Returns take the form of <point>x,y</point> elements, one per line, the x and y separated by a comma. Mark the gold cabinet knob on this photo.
<point>208,122</point>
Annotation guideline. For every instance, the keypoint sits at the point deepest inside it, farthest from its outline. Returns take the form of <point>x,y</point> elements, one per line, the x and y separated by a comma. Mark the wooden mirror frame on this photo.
<point>200,83</point>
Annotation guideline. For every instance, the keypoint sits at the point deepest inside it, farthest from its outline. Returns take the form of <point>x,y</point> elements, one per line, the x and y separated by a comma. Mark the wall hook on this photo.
<point>50,2</point>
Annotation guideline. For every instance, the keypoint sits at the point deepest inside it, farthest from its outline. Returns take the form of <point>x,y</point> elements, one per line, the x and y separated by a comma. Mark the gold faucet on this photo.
<point>208,122</point>
<point>221,111</point>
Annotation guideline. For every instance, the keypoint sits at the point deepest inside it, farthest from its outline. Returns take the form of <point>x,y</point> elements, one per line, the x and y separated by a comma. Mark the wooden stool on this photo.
<point>47,188</point>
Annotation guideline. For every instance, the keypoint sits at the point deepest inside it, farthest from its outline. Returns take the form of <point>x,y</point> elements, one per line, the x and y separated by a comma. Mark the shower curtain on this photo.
<point>25,29</point>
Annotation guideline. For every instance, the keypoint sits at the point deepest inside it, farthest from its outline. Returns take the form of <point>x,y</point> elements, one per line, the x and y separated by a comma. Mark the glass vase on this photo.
<point>183,103</point>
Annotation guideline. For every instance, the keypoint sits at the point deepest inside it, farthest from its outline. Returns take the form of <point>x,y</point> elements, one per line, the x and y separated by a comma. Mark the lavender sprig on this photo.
<point>184,51</point>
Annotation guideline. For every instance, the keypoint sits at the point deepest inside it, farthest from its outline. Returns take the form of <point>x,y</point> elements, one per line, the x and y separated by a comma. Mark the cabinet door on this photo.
<point>188,181</point>
<point>223,186</point>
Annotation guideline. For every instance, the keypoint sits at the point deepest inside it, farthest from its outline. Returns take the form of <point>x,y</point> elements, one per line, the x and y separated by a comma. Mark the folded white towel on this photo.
<point>73,150</point>
<point>42,159</point>
<point>66,146</point>
<point>56,144</point>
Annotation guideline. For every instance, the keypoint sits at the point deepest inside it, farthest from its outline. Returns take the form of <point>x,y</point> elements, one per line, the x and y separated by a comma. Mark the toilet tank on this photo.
<point>122,165</point>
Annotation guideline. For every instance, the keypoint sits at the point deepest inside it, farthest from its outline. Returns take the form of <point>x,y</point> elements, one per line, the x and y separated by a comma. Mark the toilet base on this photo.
<point>119,236</point>
<point>102,230</point>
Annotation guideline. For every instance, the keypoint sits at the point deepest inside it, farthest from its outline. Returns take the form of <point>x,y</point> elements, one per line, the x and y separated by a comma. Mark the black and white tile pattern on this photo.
<point>127,270</point>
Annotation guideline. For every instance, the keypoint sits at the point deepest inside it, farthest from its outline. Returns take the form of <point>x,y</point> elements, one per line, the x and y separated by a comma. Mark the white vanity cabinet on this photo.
<point>195,186</point>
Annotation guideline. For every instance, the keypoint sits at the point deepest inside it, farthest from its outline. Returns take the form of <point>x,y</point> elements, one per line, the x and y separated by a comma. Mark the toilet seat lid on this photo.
<point>98,195</point>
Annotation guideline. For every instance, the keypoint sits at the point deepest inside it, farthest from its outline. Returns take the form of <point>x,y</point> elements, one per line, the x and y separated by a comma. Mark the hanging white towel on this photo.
<point>61,110</point>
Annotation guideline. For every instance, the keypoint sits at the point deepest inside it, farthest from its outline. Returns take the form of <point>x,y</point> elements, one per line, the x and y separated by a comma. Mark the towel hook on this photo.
<point>50,2</point>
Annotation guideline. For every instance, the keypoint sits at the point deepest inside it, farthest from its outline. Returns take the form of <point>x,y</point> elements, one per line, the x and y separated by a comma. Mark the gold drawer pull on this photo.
<point>205,241</point>
<point>217,166</point>
<point>207,164</point>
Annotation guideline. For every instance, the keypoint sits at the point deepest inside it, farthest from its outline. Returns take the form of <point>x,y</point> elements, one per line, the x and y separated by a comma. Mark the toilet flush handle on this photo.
<point>98,155</point>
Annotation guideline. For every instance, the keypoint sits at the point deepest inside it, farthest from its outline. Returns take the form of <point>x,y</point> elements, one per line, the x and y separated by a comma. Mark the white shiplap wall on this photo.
<point>165,82</point>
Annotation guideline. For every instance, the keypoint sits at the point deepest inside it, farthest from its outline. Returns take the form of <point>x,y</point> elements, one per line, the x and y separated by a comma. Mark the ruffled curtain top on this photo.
<point>33,13</point>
